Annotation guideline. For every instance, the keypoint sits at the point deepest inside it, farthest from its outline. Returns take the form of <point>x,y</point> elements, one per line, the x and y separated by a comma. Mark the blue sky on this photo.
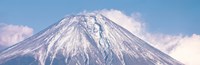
<point>170,16</point>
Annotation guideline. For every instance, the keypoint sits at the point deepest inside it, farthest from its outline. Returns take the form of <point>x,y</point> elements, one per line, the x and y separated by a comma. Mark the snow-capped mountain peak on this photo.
<point>85,39</point>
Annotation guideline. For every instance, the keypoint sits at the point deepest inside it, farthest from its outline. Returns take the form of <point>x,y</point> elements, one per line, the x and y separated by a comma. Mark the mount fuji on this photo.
<point>85,39</point>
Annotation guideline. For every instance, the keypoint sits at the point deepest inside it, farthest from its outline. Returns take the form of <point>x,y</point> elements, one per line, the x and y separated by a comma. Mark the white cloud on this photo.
<point>129,22</point>
<point>188,51</point>
<point>181,47</point>
<point>11,34</point>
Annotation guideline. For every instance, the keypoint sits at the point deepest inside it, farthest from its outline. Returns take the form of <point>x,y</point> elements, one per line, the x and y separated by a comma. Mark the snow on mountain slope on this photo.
<point>87,39</point>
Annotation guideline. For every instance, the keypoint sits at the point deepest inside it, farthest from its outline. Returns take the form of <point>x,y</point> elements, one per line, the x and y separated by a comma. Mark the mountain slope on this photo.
<point>87,39</point>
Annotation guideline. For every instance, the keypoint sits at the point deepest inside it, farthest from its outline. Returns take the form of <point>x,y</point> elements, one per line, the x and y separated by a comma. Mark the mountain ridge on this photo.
<point>86,39</point>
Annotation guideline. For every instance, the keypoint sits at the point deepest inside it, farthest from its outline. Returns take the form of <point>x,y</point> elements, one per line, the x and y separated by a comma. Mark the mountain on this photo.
<point>85,39</point>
